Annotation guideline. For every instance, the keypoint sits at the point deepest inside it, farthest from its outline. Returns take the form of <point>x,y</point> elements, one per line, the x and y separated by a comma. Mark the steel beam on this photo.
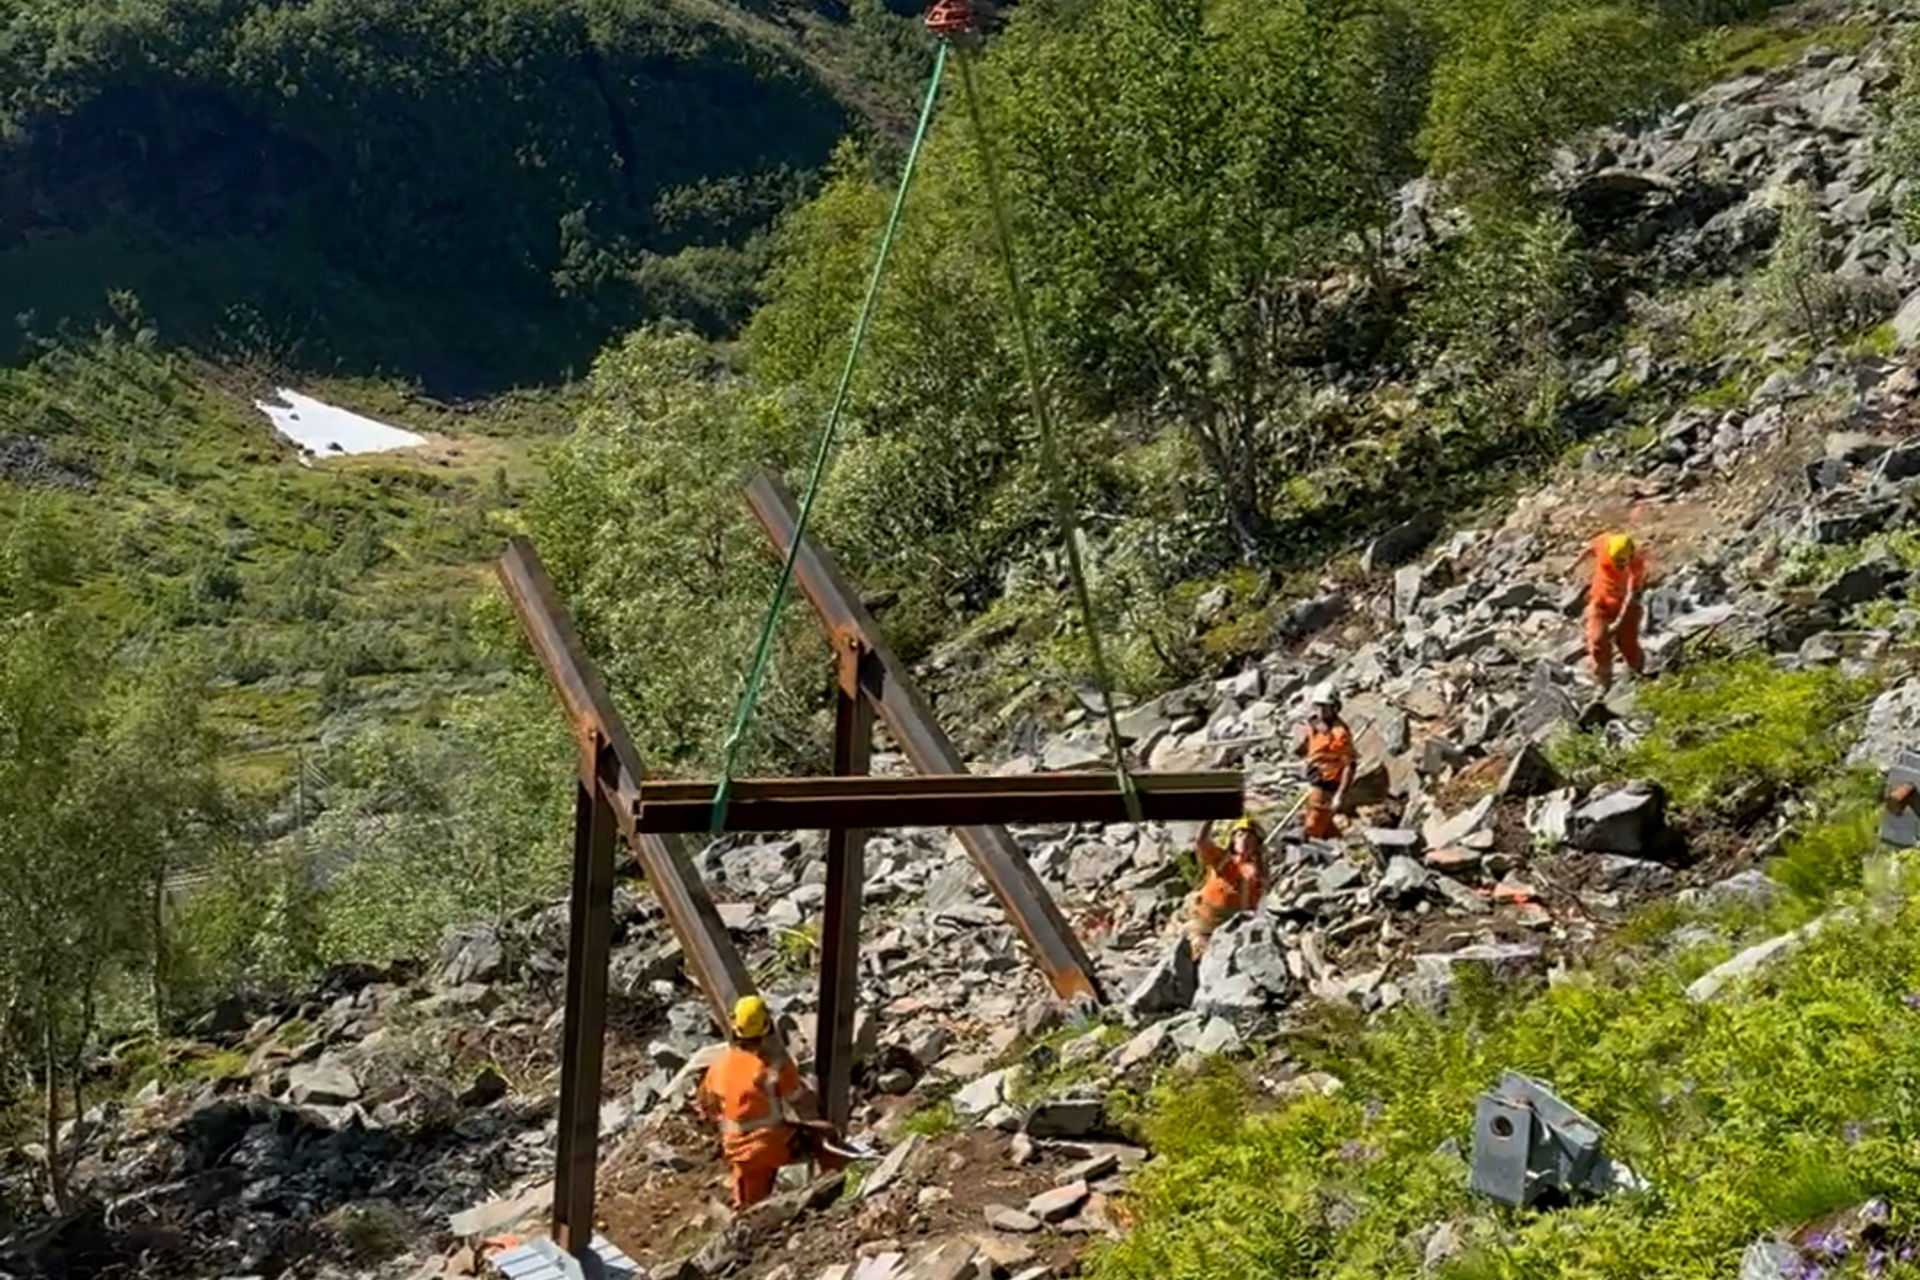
<point>583,1038</point>
<point>910,720</point>
<point>942,800</point>
<point>846,879</point>
<point>711,956</point>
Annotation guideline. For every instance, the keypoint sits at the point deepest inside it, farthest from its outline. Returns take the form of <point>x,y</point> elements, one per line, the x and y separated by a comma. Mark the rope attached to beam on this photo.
<point>763,648</point>
<point>1049,450</point>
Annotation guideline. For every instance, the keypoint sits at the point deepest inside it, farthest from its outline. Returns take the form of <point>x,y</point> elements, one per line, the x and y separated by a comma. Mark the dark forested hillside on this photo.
<point>474,190</point>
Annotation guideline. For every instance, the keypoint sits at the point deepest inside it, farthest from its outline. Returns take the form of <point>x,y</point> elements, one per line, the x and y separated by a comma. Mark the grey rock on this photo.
<point>1771,1260</point>
<point>1435,976</point>
<point>982,1095</point>
<point>1059,1203</point>
<point>1866,581</point>
<point>1442,831</point>
<point>1407,581</point>
<point>1631,820</point>
<point>1001,1218</point>
<point>1093,865</point>
<point>1751,888</point>
<point>1391,842</point>
<point>1339,875</point>
<point>1893,726</point>
<point>1400,544</point>
<point>328,1082</point>
<point>1529,774</point>
<point>1170,987</point>
<point>472,953</point>
<point>1459,897</point>
<point>1404,879</point>
<point>1147,1045</point>
<point>1906,321</point>
<point>1073,753</point>
<point>1064,1118</point>
<point>1633,875</point>
<point>888,1171</point>
<point>1309,616</point>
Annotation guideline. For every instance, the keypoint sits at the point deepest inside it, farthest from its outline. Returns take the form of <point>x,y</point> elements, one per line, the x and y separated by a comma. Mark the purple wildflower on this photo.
<point>1877,1262</point>
<point>1874,1210</point>
<point>1905,1252</point>
<point>1911,999</point>
<point>1852,1131</point>
<point>1356,1150</point>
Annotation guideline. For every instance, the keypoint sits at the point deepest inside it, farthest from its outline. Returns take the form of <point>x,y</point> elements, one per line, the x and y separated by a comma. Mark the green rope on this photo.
<point>1049,452</point>
<point>763,648</point>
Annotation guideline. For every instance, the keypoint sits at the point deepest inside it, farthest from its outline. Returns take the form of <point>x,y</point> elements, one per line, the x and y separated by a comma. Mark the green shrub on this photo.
<point>1746,1117</point>
<point>1729,731</point>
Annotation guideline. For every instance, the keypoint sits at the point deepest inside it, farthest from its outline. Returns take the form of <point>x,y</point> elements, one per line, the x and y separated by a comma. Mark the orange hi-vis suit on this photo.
<point>1234,884</point>
<point>747,1093</point>
<point>1330,755</point>
<point>1609,626</point>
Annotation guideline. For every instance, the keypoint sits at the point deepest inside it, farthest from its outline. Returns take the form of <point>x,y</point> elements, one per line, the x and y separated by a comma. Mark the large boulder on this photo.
<point>1169,988</point>
<point>1244,970</point>
<point>1632,820</point>
<point>1893,726</point>
<point>472,953</point>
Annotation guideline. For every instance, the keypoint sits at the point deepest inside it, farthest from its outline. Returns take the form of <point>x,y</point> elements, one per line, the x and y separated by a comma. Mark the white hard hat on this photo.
<point>1325,695</point>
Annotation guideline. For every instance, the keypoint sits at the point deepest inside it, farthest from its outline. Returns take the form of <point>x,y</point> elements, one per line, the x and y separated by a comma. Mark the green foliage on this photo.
<point>1520,75</point>
<point>429,828</point>
<point>1767,46</point>
<point>1725,733</point>
<point>549,159</point>
<point>931,1121</point>
<point>656,467</point>
<point>1746,1117</point>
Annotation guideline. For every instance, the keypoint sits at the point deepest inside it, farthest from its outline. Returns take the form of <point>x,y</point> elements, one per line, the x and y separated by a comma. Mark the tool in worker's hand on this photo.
<point>824,1137</point>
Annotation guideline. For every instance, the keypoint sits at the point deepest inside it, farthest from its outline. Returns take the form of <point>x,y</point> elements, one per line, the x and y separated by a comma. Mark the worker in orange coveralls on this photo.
<point>1327,745</point>
<point>755,1092</point>
<point>1613,604</point>
<point>1236,877</point>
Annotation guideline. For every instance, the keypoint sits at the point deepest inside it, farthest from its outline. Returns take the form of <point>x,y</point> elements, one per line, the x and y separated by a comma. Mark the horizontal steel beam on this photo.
<point>946,800</point>
<point>711,955</point>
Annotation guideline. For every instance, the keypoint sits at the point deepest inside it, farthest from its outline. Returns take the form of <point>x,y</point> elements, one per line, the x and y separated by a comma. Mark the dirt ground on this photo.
<point>658,1213</point>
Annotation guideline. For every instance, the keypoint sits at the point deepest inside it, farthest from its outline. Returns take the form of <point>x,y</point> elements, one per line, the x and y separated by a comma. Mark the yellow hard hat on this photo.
<point>1620,548</point>
<point>1247,823</point>
<point>750,1018</point>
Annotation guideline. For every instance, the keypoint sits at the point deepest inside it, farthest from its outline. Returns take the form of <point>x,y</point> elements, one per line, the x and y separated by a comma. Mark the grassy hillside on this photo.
<point>306,591</point>
<point>474,194</point>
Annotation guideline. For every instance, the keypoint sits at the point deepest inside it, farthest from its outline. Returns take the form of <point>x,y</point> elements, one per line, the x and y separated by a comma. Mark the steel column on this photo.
<point>712,958</point>
<point>846,880</point>
<point>589,941</point>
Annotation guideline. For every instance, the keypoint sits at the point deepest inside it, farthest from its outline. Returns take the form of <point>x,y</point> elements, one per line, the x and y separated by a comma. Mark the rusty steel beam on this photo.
<point>846,881</point>
<point>939,800</point>
<point>910,720</point>
<point>711,956</point>
<point>583,1038</point>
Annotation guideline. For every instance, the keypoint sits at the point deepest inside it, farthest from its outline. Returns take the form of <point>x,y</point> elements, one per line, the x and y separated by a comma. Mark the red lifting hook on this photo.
<point>950,19</point>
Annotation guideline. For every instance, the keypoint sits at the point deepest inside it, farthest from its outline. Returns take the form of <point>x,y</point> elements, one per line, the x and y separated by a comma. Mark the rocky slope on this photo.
<point>338,1136</point>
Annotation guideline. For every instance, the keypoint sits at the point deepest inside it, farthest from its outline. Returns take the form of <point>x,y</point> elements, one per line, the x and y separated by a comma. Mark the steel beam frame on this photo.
<point>846,881</point>
<point>607,801</point>
<point>909,718</point>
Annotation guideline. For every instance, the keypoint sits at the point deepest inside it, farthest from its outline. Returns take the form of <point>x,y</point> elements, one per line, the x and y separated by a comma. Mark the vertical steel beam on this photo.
<point>910,720</point>
<point>589,941</point>
<point>846,879</point>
